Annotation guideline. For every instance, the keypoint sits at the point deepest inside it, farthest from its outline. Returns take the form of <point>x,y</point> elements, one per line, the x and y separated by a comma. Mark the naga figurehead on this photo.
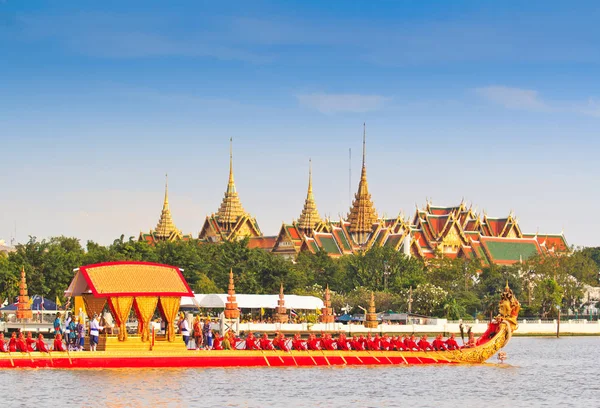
<point>508,308</point>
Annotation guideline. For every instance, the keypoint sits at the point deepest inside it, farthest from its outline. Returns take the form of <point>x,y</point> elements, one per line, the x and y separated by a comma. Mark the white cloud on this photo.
<point>530,100</point>
<point>513,98</point>
<point>339,103</point>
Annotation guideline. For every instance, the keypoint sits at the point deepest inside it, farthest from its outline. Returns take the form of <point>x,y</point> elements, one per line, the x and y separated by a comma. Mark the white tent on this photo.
<point>217,301</point>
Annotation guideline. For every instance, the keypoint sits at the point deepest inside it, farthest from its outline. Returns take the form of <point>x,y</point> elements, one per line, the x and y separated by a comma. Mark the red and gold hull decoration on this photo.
<point>251,358</point>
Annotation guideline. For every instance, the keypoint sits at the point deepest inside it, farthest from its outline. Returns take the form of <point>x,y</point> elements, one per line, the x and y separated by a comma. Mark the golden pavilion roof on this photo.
<point>309,218</point>
<point>362,214</point>
<point>129,279</point>
<point>231,207</point>
<point>165,227</point>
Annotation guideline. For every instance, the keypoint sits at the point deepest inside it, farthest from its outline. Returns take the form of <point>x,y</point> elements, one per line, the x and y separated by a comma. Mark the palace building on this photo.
<point>433,231</point>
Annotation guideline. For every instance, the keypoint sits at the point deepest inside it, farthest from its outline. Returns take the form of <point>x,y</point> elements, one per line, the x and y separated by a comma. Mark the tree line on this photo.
<point>444,287</point>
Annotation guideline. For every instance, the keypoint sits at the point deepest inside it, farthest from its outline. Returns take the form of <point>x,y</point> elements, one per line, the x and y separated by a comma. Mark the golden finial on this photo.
<point>309,218</point>
<point>507,285</point>
<point>362,214</point>
<point>231,207</point>
<point>165,227</point>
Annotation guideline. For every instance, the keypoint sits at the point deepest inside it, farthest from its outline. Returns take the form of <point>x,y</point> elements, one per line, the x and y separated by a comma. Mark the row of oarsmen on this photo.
<point>327,342</point>
<point>26,344</point>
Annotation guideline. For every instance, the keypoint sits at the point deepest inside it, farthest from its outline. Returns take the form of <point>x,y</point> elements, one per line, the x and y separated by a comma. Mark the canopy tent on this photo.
<point>141,286</point>
<point>39,303</point>
<point>217,301</point>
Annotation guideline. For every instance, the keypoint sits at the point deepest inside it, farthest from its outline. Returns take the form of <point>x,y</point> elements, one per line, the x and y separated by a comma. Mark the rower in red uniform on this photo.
<point>12,343</point>
<point>3,346</point>
<point>377,342</point>
<point>21,343</point>
<point>217,339</point>
<point>58,343</point>
<point>281,342</point>
<point>438,344</point>
<point>342,342</point>
<point>424,344</point>
<point>471,342</point>
<point>363,342</point>
<point>265,343</point>
<point>451,343</point>
<point>356,344</point>
<point>399,343</point>
<point>40,344</point>
<point>298,343</point>
<point>313,343</point>
<point>411,344</point>
<point>327,343</point>
<point>251,342</point>
<point>29,341</point>
<point>386,343</point>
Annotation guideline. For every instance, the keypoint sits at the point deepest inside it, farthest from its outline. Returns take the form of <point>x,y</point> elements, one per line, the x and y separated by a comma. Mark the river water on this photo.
<point>539,372</point>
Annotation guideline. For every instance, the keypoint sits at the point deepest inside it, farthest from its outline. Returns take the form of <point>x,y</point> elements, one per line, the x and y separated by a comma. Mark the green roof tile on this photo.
<point>510,250</point>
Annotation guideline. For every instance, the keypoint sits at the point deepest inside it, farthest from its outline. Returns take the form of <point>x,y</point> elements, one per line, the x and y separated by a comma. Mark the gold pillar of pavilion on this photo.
<point>231,306</point>
<point>23,306</point>
<point>362,214</point>
<point>280,315</point>
<point>309,218</point>
<point>371,316</point>
<point>327,311</point>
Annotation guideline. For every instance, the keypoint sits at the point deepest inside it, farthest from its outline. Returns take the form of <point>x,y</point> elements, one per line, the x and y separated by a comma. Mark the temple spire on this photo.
<point>231,207</point>
<point>362,214</point>
<point>309,218</point>
<point>165,226</point>
<point>231,182</point>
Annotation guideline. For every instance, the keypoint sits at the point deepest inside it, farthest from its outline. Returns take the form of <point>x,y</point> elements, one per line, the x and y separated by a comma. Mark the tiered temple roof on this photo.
<point>165,229</point>
<point>231,222</point>
<point>309,218</point>
<point>434,231</point>
<point>362,214</point>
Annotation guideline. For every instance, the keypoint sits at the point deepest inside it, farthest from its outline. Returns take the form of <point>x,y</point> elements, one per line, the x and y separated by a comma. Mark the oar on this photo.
<point>293,358</point>
<point>376,359</point>
<point>69,355</point>
<point>388,359</point>
<point>265,357</point>
<point>10,356</point>
<point>311,357</point>
<point>343,359</point>
<point>50,355</point>
<point>402,355</point>
<point>328,363</point>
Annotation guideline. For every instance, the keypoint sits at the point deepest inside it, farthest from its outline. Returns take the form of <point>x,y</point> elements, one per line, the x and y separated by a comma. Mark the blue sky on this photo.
<point>494,102</point>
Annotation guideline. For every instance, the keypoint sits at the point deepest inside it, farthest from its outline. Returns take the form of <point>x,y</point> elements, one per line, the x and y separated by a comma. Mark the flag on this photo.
<point>318,311</point>
<point>30,301</point>
<point>293,313</point>
<point>262,312</point>
<point>58,304</point>
<point>42,303</point>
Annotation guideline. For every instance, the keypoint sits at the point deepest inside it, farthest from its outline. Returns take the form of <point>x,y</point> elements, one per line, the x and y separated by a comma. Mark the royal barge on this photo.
<point>144,287</point>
